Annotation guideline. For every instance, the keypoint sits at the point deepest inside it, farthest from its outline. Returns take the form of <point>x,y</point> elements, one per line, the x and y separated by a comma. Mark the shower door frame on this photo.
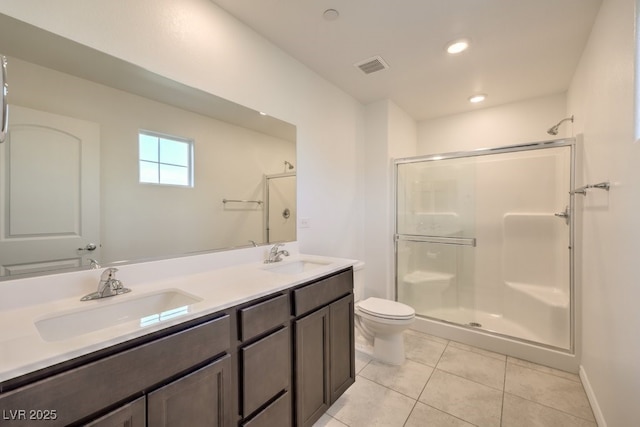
<point>266,216</point>
<point>540,145</point>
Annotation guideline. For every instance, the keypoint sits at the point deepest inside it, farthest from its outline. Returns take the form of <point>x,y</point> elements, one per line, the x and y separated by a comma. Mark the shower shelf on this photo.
<point>553,297</point>
<point>427,277</point>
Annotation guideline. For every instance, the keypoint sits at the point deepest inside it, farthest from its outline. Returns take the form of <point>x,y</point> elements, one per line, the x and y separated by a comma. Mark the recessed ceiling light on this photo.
<point>262,113</point>
<point>330,15</point>
<point>477,98</point>
<point>458,46</point>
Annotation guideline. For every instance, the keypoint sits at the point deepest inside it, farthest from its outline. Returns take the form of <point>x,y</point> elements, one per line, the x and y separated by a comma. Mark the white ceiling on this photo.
<point>520,49</point>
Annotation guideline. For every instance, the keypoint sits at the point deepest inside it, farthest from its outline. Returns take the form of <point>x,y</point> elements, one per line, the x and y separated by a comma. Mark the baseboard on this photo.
<point>597,413</point>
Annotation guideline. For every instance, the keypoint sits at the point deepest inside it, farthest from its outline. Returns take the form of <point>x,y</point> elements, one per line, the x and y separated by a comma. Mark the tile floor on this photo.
<point>445,383</point>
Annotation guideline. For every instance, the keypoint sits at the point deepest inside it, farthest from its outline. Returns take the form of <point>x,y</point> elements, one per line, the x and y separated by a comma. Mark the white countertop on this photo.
<point>23,350</point>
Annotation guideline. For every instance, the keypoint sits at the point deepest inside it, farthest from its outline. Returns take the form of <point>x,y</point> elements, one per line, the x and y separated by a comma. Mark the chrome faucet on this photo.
<point>109,286</point>
<point>275,255</point>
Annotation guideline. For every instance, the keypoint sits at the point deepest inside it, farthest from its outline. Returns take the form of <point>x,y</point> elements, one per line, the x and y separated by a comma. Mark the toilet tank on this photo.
<point>358,280</point>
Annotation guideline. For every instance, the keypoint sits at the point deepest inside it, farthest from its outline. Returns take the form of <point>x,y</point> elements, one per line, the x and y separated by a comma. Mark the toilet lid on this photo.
<point>385,308</point>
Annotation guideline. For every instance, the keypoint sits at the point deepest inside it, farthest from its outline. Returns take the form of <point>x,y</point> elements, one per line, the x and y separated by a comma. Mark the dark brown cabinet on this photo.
<point>83,392</point>
<point>279,360</point>
<point>324,362</point>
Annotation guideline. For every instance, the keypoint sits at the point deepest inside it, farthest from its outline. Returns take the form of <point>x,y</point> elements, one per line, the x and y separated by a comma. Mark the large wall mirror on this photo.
<point>70,168</point>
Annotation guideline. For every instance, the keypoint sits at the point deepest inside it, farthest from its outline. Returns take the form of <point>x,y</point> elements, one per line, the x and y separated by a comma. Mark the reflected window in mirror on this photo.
<point>165,159</point>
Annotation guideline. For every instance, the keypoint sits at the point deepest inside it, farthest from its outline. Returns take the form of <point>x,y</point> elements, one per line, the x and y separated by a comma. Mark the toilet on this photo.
<point>380,323</point>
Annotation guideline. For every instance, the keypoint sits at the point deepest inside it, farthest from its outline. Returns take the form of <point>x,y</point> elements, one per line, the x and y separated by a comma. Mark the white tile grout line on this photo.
<point>504,387</point>
<point>415,403</point>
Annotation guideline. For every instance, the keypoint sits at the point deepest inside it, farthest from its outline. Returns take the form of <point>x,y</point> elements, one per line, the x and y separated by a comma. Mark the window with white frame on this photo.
<point>165,160</point>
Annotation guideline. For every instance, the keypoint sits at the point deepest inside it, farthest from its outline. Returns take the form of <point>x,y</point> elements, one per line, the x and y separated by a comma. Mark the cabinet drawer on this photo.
<point>321,293</point>
<point>80,392</point>
<point>266,370</point>
<point>263,316</point>
<point>276,414</point>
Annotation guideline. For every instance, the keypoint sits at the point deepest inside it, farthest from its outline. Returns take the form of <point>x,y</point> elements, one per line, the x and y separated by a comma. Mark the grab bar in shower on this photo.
<point>225,201</point>
<point>583,190</point>
<point>459,241</point>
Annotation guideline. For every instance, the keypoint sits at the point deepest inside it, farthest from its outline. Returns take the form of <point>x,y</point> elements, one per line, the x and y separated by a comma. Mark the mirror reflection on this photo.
<point>105,161</point>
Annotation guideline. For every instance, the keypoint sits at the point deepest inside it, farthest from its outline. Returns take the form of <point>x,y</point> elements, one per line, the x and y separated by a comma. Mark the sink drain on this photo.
<point>475,324</point>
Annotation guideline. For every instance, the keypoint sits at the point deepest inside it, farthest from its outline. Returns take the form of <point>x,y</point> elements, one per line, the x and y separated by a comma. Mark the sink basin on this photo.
<point>147,309</point>
<point>295,267</point>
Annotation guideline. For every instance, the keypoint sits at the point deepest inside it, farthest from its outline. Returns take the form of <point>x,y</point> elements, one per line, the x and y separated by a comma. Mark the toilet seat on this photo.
<point>386,309</point>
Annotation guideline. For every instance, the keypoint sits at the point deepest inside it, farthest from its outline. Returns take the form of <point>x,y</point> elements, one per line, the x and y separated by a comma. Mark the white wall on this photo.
<point>602,98</point>
<point>390,133</point>
<point>509,124</point>
<point>197,43</point>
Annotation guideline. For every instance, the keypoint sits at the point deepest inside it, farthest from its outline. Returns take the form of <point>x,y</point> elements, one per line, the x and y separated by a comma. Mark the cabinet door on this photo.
<point>312,367</point>
<point>201,398</point>
<point>130,415</point>
<point>341,344</point>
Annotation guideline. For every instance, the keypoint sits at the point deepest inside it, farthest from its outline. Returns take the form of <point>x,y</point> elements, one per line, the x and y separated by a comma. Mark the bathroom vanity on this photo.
<point>276,357</point>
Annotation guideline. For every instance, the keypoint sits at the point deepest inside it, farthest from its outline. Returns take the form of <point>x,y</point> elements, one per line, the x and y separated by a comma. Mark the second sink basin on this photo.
<point>148,309</point>
<point>295,267</point>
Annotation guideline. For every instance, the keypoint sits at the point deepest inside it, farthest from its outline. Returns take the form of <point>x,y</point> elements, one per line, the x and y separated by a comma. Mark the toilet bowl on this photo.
<point>380,323</point>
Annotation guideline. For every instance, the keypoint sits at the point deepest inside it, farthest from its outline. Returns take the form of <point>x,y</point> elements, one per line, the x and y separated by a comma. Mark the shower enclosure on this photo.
<point>484,240</point>
<point>280,210</point>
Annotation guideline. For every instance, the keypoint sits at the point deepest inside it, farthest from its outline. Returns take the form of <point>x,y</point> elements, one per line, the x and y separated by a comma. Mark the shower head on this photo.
<point>289,165</point>
<point>553,130</point>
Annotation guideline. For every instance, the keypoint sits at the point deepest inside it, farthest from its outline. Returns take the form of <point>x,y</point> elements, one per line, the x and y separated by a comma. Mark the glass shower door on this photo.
<point>483,240</point>
<point>435,237</point>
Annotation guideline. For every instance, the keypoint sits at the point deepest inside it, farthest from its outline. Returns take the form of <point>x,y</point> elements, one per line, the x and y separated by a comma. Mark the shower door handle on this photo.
<point>565,214</point>
<point>459,241</point>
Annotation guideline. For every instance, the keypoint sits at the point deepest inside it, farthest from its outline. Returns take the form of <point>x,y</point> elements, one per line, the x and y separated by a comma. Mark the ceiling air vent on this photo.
<point>371,65</point>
